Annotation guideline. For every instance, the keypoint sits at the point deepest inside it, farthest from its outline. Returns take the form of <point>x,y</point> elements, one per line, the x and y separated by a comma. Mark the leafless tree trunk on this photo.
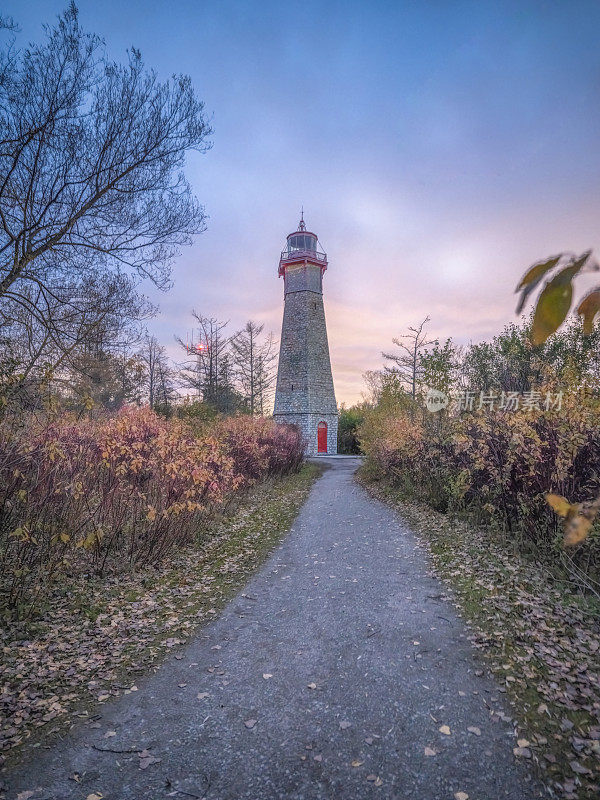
<point>253,356</point>
<point>407,363</point>
<point>206,367</point>
<point>158,374</point>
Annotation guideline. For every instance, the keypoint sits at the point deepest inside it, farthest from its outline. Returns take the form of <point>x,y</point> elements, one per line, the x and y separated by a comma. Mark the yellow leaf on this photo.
<point>560,505</point>
<point>91,539</point>
<point>537,272</point>
<point>445,730</point>
<point>151,515</point>
<point>577,528</point>
<point>588,309</point>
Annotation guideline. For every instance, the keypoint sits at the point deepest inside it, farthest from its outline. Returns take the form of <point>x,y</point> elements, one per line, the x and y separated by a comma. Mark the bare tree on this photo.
<point>165,393</point>
<point>149,355</point>
<point>91,154</point>
<point>8,24</point>
<point>265,379</point>
<point>407,366</point>
<point>158,377</point>
<point>253,356</point>
<point>82,329</point>
<point>206,368</point>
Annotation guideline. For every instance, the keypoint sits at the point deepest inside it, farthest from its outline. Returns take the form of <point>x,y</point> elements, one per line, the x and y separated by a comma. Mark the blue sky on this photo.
<point>438,148</point>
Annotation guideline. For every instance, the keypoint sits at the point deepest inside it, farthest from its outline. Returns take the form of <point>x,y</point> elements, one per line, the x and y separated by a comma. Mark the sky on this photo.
<point>438,149</point>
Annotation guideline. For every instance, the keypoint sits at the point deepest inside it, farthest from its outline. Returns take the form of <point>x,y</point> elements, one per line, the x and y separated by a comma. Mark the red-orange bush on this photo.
<point>260,446</point>
<point>129,487</point>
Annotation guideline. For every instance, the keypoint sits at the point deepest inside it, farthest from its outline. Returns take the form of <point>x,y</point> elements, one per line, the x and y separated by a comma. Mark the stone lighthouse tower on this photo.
<point>304,394</point>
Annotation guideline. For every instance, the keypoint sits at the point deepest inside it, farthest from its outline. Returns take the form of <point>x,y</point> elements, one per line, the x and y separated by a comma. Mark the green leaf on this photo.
<point>588,309</point>
<point>552,307</point>
<point>532,278</point>
<point>555,301</point>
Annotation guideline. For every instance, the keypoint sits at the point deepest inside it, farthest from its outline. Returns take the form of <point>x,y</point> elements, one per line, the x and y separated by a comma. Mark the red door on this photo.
<point>322,437</point>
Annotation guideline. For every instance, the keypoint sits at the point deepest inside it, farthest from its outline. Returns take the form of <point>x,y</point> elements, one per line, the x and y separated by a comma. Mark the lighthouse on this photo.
<point>304,395</point>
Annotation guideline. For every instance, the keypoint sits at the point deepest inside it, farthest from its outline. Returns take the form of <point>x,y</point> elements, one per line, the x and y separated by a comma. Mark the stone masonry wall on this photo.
<point>305,395</point>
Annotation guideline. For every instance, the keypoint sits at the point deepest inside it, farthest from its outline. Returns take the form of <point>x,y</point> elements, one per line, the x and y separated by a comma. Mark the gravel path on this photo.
<point>327,677</point>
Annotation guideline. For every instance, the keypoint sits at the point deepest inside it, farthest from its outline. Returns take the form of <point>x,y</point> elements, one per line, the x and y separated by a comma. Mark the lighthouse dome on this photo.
<point>301,241</point>
<point>302,246</point>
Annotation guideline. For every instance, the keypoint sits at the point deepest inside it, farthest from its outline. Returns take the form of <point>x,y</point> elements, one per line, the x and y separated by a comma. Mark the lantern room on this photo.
<point>302,248</point>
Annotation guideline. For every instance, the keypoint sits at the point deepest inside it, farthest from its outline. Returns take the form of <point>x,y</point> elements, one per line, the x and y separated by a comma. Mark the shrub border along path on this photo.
<point>96,635</point>
<point>542,647</point>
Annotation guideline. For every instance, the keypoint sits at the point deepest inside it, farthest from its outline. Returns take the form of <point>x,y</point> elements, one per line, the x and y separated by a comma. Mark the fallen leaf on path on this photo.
<point>474,729</point>
<point>201,695</point>
<point>461,796</point>
<point>357,763</point>
<point>524,752</point>
<point>146,761</point>
<point>522,742</point>
<point>429,751</point>
<point>267,675</point>
<point>576,767</point>
<point>318,758</point>
<point>250,723</point>
<point>312,685</point>
<point>445,730</point>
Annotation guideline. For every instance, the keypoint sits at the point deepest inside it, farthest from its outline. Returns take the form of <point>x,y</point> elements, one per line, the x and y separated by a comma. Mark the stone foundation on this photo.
<point>308,424</point>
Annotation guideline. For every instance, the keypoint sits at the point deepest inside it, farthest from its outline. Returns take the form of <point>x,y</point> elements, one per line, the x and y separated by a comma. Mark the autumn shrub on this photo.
<point>120,490</point>
<point>496,466</point>
<point>260,446</point>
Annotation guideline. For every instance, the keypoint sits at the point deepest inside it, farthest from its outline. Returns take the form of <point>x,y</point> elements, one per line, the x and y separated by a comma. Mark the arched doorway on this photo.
<point>322,437</point>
